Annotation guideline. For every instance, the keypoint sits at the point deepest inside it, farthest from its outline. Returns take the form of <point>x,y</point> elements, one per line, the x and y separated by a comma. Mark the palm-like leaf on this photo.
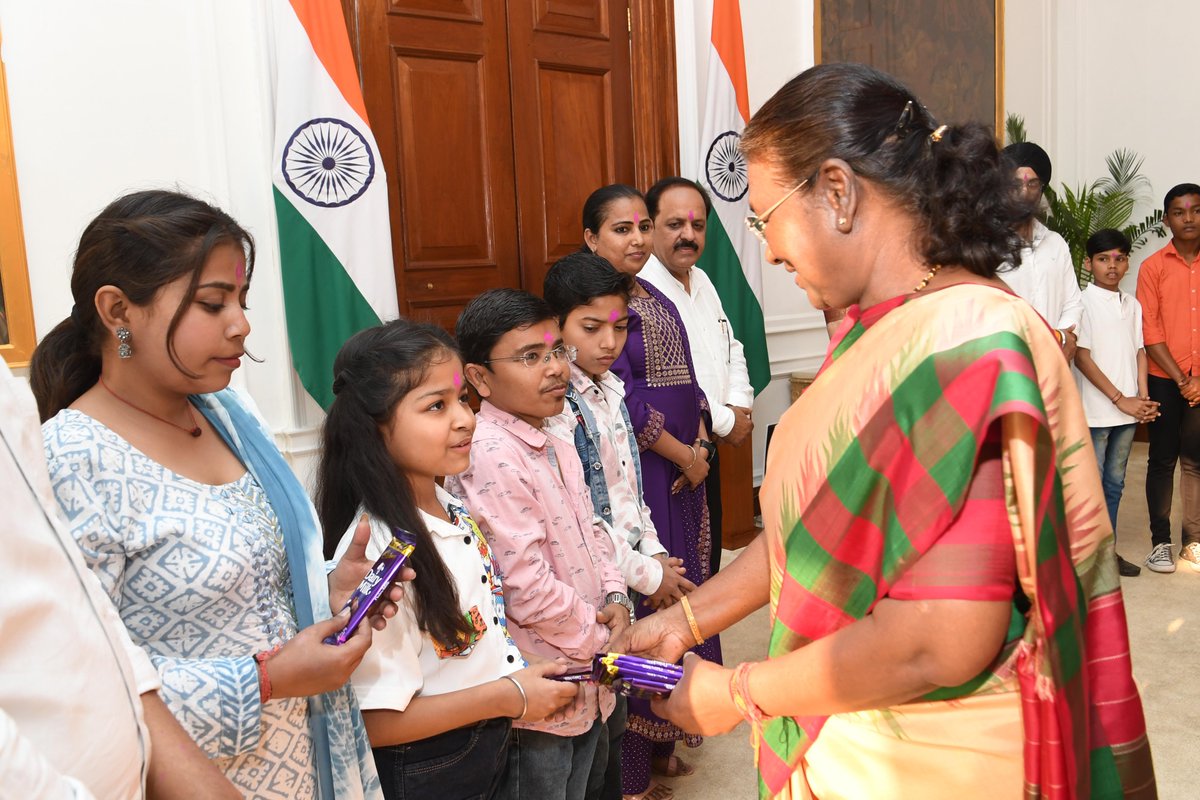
<point>1014,128</point>
<point>1107,202</point>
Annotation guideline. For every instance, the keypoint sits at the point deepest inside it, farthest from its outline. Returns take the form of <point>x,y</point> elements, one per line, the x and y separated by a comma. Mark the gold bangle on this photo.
<point>691,619</point>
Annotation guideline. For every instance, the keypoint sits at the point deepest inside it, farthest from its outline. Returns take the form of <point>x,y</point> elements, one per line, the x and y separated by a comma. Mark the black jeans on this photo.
<point>463,764</point>
<point>1174,436</point>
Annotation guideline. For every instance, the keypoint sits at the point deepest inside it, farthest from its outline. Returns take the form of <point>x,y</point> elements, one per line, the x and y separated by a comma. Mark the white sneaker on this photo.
<point>1160,559</point>
<point>1191,554</point>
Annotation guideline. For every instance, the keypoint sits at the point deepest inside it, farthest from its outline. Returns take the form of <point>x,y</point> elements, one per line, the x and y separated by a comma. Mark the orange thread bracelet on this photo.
<point>264,680</point>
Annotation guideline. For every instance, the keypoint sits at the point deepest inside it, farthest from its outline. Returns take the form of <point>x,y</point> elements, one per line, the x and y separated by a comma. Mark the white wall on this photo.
<point>110,97</point>
<point>778,36</point>
<point>1093,76</point>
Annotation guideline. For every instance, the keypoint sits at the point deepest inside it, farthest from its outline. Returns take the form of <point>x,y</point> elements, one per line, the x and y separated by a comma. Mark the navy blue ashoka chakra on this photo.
<point>725,167</point>
<point>328,162</point>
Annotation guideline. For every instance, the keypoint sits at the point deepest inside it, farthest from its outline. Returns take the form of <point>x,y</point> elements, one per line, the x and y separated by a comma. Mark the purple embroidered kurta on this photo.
<point>661,393</point>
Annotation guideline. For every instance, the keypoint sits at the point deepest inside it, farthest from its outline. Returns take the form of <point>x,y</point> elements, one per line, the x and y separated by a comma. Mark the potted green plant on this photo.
<point>1106,202</point>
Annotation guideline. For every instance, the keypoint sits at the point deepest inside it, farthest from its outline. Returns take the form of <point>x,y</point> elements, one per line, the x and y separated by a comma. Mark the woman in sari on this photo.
<point>194,523</point>
<point>946,617</point>
<point>667,409</point>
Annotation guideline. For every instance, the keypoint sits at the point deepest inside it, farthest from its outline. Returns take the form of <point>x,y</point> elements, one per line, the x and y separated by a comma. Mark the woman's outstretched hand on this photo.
<point>350,571</point>
<point>701,702</point>
<point>664,635</point>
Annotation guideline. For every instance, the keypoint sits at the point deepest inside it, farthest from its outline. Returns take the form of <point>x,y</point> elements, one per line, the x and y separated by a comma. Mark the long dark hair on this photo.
<point>139,243</point>
<point>954,182</point>
<point>373,372</point>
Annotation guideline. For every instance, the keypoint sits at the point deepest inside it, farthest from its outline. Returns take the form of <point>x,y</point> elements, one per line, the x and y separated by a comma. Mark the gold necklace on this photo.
<point>928,277</point>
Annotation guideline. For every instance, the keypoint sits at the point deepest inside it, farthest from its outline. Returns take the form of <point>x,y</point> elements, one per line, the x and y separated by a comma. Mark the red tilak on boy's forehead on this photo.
<point>457,380</point>
<point>612,315</point>
<point>549,337</point>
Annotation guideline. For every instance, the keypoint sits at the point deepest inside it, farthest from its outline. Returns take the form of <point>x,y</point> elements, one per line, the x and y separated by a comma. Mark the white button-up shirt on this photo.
<point>404,661</point>
<point>1046,280</point>
<point>717,355</point>
<point>1111,330</point>
<point>70,677</point>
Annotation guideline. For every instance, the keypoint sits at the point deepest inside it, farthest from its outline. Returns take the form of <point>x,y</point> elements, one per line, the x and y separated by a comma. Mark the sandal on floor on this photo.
<point>676,767</point>
<point>659,791</point>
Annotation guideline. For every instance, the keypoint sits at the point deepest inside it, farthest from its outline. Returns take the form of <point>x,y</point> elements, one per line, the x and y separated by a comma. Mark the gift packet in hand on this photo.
<point>376,583</point>
<point>632,676</point>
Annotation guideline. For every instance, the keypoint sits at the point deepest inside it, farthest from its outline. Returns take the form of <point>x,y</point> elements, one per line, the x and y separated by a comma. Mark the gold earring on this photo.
<point>842,222</point>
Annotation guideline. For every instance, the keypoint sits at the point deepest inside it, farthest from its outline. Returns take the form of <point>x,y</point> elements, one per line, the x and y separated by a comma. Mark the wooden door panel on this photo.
<point>576,156</point>
<point>435,77</point>
<point>572,119</point>
<point>572,17</point>
<point>458,10</point>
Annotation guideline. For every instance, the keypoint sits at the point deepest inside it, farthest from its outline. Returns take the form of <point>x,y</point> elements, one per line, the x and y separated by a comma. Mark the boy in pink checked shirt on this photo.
<point>527,490</point>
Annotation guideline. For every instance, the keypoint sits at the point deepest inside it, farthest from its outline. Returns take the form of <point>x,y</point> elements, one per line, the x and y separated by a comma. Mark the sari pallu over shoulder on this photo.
<point>872,464</point>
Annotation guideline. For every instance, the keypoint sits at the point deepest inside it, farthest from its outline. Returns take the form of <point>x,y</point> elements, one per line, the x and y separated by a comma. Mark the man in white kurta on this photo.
<point>679,208</point>
<point>1045,277</point>
<point>78,700</point>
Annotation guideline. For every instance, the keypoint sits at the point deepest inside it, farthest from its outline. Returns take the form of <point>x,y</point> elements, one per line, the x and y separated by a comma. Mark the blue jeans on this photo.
<point>1112,454</point>
<point>466,763</point>
<point>549,767</point>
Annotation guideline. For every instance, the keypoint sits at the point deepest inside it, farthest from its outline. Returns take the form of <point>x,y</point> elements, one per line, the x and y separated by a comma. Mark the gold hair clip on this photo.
<point>937,135</point>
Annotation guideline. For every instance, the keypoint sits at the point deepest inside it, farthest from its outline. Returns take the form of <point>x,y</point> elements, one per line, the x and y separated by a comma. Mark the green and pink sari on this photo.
<point>868,470</point>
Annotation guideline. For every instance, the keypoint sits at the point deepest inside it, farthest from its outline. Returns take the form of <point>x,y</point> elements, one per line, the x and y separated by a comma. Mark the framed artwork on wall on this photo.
<point>17,338</point>
<point>949,52</point>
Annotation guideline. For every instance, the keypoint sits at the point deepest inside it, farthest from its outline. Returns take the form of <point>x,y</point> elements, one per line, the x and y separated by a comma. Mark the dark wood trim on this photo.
<point>655,98</point>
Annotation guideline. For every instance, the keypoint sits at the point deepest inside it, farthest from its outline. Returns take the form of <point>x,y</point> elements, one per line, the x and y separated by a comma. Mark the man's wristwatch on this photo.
<point>623,599</point>
<point>709,448</point>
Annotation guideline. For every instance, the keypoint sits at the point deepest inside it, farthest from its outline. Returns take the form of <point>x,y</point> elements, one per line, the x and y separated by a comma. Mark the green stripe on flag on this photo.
<point>720,262</point>
<point>323,306</point>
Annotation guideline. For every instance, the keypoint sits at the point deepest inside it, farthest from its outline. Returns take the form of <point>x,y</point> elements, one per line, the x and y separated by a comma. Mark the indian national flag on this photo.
<point>732,255</point>
<point>330,193</point>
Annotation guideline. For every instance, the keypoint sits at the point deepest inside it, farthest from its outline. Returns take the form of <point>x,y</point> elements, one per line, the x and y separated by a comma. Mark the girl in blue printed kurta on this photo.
<point>194,523</point>
<point>441,685</point>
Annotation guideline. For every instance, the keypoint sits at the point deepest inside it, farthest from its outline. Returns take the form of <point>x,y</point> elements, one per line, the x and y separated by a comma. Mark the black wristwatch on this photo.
<point>709,448</point>
<point>623,599</point>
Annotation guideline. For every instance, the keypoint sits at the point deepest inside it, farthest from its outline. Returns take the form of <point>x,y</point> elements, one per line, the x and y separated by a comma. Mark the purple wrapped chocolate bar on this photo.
<point>629,675</point>
<point>382,575</point>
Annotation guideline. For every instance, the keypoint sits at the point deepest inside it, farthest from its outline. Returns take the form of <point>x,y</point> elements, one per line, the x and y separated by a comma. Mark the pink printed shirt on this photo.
<point>527,491</point>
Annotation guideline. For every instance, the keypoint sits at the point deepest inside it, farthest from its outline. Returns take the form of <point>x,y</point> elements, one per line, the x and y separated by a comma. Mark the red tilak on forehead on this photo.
<point>549,337</point>
<point>612,315</point>
<point>636,218</point>
<point>691,216</point>
<point>457,380</point>
<point>241,272</point>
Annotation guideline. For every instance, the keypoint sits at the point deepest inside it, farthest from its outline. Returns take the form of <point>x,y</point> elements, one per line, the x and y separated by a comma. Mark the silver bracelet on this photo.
<point>524,697</point>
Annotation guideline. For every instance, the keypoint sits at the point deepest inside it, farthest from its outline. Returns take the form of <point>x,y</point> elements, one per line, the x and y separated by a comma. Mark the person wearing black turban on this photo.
<point>1045,276</point>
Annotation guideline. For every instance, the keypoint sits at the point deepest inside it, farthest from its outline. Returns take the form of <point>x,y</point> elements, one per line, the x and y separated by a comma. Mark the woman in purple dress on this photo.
<point>668,410</point>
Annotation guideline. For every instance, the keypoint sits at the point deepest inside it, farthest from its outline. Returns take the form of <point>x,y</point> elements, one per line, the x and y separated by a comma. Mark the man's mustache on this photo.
<point>682,243</point>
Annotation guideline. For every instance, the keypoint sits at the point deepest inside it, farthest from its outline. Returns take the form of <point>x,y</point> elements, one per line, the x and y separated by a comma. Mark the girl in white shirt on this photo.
<point>439,691</point>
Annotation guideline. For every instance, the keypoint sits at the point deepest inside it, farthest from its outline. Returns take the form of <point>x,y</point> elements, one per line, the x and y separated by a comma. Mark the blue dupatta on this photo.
<point>341,750</point>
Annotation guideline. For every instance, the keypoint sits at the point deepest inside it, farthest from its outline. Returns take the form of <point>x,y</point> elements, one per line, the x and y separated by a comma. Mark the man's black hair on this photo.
<point>655,193</point>
<point>1107,239</point>
<point>493,314</point>
<point>579,278</point>
<point>1180,190</point>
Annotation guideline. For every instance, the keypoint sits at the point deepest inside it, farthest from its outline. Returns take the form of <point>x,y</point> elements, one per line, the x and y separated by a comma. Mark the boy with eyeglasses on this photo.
<point>1110,367</point>
<point>1045,277</point>
<point>526,487</point>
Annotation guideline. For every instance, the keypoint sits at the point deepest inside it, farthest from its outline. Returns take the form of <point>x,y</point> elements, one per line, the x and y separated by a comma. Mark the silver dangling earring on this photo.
<point>123,335</point>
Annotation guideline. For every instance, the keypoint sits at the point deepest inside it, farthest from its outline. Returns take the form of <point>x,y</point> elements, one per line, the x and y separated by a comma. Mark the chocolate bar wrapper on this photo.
<point>382,575</point>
